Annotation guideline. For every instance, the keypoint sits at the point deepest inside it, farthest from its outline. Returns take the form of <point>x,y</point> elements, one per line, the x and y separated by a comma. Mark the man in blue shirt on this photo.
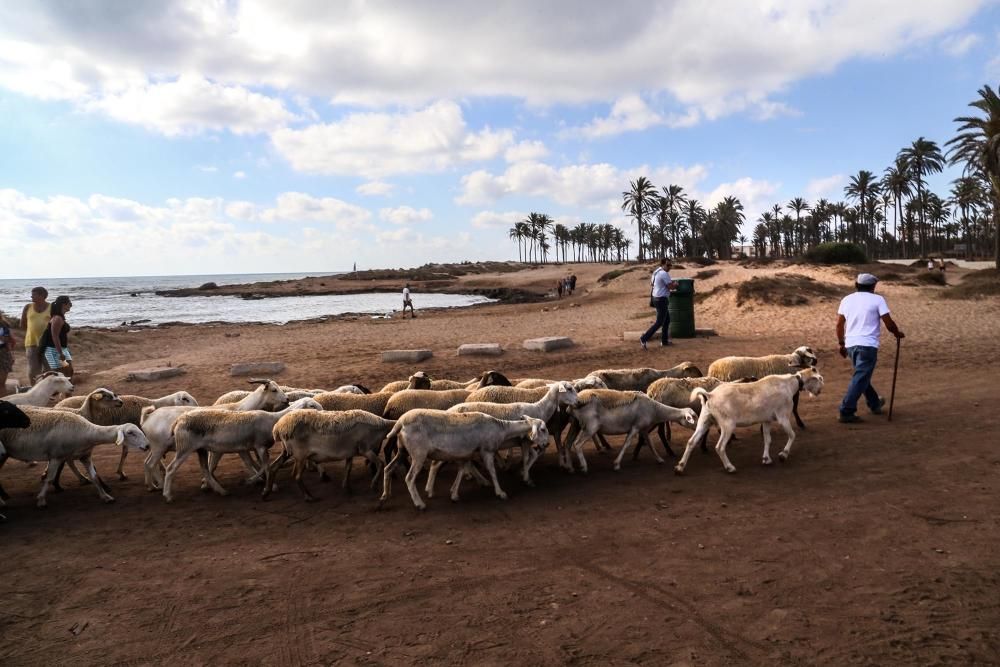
<point>662,284</point>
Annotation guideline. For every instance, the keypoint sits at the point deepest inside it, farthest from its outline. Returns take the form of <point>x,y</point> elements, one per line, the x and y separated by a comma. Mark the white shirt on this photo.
<point>863,312</point>
<point>661,283</point>
<point>406,294</point>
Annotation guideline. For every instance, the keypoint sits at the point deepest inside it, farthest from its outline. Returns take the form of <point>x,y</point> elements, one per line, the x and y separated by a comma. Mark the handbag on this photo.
<point>652,284</point>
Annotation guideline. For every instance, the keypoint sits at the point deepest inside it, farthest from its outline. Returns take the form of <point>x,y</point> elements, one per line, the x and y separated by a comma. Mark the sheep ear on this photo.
<point>120,440</point>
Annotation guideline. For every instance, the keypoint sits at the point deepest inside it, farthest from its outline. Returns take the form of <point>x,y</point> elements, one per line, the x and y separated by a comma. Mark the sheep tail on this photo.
<point>699,393</point>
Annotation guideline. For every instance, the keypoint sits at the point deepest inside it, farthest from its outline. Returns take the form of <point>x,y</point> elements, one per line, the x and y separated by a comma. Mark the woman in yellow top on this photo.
<point>34,321</point>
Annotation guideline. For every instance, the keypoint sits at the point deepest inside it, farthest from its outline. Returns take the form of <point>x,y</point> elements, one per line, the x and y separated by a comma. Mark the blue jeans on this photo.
<point>863,359</point>
<point>662,320</point>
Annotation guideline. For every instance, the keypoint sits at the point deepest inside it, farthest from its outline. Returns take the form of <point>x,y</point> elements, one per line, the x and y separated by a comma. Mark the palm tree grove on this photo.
<point>890,215</point>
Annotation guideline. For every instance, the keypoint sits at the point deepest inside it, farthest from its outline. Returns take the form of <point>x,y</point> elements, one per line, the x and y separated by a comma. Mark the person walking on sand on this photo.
<point>559,288</point>
<point>6,353</point>
<point>659,297</point>
<point>54,344</point>
<point>407,302</point>
<point>572,283</point>
<point>34,319</point>
<point>859,328</point>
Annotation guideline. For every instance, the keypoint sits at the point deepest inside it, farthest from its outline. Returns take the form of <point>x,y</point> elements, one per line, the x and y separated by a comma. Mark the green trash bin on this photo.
<point>681,308</point>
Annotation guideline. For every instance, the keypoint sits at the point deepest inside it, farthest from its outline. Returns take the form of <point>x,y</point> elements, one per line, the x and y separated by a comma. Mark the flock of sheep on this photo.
<point>410,422</point>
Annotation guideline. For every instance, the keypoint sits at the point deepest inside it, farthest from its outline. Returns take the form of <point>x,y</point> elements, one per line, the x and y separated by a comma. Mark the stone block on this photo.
<point>150,374</point>
<point>257,368</point>
<point>480,349</point>
<point>11,386</point>
<point>548,344</point>
<point>409,356</point>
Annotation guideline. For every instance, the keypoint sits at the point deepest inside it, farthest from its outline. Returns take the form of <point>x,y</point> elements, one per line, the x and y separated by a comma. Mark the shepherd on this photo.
<point>407,302</point>
<point>858,332</point>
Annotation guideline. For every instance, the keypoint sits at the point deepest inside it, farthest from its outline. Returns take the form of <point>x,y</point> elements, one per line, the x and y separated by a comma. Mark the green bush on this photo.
<point>836,253</point>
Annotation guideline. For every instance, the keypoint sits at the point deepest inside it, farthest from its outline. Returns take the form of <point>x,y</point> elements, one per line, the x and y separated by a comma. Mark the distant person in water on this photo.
<point>407,302</point>
<point>6,353</point>
<point>34,319</point>
<point>54,344</point>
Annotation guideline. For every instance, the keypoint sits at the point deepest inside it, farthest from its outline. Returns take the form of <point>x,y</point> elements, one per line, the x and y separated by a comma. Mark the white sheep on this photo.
<point>58,436</point>
<point>557,395</point>
<point>373,403</point>
<point>412,399</point>
<point>48,386</point>
<point>613,412</point>
<point>322,437</point>
<point>589,382</point>
<point>128,410</point>
<point>745,404</point>
<point>447,436</point>
<point>206,430</point>
<point>267,396</point>
<point>638,379</point>
<point>735,368</point>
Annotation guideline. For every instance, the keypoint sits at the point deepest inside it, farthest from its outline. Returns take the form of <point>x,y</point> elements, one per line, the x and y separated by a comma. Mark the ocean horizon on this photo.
<point>117,300</point>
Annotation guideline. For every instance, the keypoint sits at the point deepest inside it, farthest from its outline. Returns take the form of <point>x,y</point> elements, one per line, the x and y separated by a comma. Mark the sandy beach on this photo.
<point>874,544</point>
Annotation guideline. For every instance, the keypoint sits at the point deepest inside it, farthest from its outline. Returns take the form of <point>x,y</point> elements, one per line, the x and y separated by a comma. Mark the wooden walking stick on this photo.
<point>895,370</point>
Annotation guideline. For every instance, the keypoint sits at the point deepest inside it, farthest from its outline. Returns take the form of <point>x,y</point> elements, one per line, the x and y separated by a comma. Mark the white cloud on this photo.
<point>405,215</point>
<point>756,196</point>
<point>300,207</point>
<point>496,220</point>
<point>239,175</point>
<point>375,189</point>
<point>829,187</point>
<point>582,184</point>
<point>193,104</point>
<point>706,58</point>
<point>959,44</point>
<point>241,210</point>
<point>526,151</point>
<point>373,145</point>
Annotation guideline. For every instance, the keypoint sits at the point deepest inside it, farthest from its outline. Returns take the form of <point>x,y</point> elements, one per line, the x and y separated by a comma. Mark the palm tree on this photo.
<point>798,205</point>
<point>968,196</point>
<point>694,216</point>
<point>760,233</point>
<point>897,181</point>
<point>728,216</point>
<point>673,199</point>
<point>923,157</point>
<point>861,187</point>
<point>639,201</point>
<point>977,145</point>
<point>514,234</point>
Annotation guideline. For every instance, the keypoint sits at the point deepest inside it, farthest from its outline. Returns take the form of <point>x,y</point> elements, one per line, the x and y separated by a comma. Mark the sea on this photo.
<point>111,302</point>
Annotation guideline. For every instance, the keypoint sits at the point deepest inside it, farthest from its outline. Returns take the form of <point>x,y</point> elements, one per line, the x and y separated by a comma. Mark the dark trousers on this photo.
<point>863,359</point>
<point>662,320</point>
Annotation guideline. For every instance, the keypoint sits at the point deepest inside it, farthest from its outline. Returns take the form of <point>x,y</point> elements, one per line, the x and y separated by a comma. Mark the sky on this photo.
<point>154,138</point>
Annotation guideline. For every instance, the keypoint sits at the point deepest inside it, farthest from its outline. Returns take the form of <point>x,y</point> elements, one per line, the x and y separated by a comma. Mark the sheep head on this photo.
<point>806,358</point>
<point>811,380</point>
<point>12,416</point>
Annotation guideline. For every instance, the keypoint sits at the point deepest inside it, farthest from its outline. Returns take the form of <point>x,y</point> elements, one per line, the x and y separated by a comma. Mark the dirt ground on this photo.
<point>875,544</point>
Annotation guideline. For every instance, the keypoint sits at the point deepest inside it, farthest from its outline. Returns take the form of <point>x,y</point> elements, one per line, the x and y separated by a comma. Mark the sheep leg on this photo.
<point>273,469</point>
<point>699,434</point>
<point>51,472</point>
<point>765,431</point>
<point>577,447</point>
<point>645,439</point>
<point>3,494</point>
<point>346,485</point>
<point>268,473</point>
<point>375,462</point>
<point>168,475</point>
<point>491,467</point>
<point>150,467</point>
<point>121,463</point>
<point>602,444</point>
<point>206,472</point>
<point>565,449</point>
<point>726,433</point>
<point>628,441</point>
<point>787,426</point>
<point>102,489</point>
<point>250,463</point>
<point>297,469</point>
<point>432,472</point>
<point>387,478</point>
<point>457,483</point>
<point>72,467</point>
<point>795,410</point>
<point>416,464</point>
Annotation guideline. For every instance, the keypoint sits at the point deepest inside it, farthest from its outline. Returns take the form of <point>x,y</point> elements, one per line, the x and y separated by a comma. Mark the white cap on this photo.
<point>866,279</point>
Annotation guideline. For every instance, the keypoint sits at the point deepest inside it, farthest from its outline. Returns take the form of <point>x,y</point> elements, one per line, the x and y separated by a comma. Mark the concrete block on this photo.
<point>12,385</point>
<point>410,356</point>
<point>480,349</point>
<point>259,368</point>
<point>150,374</point>
<point>632,335</point>
<point>548,344</point>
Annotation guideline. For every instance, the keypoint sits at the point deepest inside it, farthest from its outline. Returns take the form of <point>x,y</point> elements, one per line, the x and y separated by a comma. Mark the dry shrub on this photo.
<point>930,278</point>
<point>975,285</point>
<point>718,289</point>
<point>706,274</point>
<point>786,290</point>
<point>615,273</point>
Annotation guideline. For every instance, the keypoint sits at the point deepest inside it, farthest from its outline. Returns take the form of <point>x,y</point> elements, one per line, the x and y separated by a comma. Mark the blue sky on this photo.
<point>169,138</point>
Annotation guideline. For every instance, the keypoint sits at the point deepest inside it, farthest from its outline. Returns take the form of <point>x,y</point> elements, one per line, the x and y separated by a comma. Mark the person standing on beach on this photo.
<point>859,328</point>
<point>34,319</point>
<point>559,288</point>
<point>6,353</point>
<point>659,297</point>
<point>54,343</point>
<point>407,302</point>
